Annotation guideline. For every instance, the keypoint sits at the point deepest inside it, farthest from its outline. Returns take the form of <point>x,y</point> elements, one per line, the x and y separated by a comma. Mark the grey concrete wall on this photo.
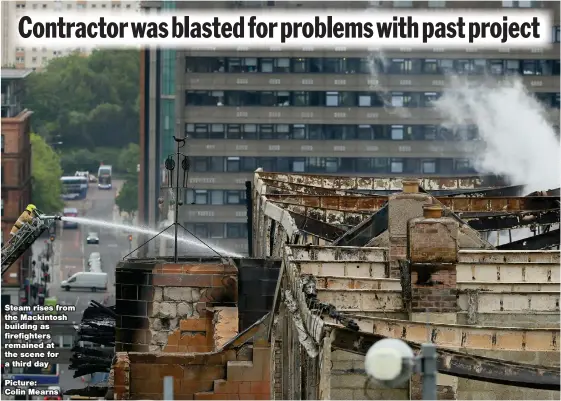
<point>348,380</point>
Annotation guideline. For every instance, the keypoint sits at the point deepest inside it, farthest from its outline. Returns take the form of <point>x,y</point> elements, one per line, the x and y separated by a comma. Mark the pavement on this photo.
<point>71,253</point>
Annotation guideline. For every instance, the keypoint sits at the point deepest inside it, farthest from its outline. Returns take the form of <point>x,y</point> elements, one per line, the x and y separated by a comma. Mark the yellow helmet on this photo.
<point>30,208</point>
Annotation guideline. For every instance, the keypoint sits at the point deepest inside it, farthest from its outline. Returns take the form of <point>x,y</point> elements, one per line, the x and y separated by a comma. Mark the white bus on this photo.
<point>104,177</point>
<point>74,188</point>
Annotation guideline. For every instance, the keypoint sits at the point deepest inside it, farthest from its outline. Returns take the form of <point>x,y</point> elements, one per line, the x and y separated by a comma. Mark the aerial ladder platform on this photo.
<point>25,237</point>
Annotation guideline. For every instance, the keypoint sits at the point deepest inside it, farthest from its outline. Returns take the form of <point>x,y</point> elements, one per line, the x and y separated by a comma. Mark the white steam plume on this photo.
<point>519,142</point>
<point>377,63</point>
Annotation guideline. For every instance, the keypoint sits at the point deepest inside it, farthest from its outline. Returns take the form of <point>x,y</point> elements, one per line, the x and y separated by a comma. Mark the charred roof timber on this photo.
<point>361,234</point>
<point>460,364</point>
<point>289,187</point>
<point>336,217</point>
<point>385,183</point>
<point>373,203</point>
<point>474,202</point>
<point>546,240</point>
<point>509,221</point>
<point>317,227</point>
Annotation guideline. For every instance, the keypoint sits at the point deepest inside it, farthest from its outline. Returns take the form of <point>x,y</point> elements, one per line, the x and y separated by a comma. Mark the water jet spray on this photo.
<point>146,231</point>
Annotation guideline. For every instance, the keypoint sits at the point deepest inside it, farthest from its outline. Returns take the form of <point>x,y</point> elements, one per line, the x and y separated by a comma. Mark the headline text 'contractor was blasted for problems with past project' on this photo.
<point>321,29</point>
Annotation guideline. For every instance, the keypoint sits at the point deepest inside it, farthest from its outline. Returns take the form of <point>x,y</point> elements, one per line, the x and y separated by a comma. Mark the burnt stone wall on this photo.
<point>157,301</point>
<point>162,306</point>
<point>134,294</point>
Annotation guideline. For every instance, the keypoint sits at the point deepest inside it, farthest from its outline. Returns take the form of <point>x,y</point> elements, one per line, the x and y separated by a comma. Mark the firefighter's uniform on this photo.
<point>25,217</point>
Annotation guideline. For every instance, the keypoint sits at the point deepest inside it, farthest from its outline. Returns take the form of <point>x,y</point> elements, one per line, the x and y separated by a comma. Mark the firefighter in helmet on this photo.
<point>25,217</point>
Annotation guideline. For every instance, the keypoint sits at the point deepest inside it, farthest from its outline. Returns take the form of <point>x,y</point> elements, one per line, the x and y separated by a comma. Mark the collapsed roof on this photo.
<point>352,211</point>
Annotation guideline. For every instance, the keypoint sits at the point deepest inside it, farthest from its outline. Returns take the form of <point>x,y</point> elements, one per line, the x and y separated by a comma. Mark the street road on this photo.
<point>72,252</point>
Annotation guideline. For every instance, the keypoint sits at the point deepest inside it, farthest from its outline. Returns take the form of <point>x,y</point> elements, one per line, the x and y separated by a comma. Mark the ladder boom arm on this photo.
<point>22,240</point>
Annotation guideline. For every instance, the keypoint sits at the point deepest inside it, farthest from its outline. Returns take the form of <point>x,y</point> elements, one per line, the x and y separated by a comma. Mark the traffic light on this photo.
<point>130,238</point>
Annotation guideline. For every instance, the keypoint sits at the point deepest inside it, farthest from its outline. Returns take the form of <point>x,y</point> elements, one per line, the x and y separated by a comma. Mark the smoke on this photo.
<point>518,142</point>
<point>377,64</point>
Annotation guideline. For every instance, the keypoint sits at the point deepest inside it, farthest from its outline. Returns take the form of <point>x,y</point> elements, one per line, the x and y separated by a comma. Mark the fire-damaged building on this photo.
<point>337,264</point>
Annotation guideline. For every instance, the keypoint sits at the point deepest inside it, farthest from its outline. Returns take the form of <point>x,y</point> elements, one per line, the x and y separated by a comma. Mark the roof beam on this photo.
<point>546,240</point>
<point>382,183</point>
<point>290,187</point>
<point>361,234</point>
<point>318,228</point>
<point>463,365</point>
<point>335,217</point>
<point>373,203</point>
<point>510,221</point>
<point>515,190</point>
<point>463,336</point>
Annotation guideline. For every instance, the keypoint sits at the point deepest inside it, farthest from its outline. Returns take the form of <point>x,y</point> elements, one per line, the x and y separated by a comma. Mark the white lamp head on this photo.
<point>389,361</point>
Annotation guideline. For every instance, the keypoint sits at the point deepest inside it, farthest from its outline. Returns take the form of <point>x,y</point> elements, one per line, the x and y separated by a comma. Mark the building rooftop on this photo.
<point>342,210</point>
<point>418,260</point>
<point>15,73</point>
<point>337,264</point>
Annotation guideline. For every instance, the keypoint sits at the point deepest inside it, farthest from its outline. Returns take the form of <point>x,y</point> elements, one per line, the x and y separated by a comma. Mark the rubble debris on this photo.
<point>98,329</point>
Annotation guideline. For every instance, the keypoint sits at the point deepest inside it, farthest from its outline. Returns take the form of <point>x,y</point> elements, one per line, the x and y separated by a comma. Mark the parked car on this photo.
<point>93,238</point>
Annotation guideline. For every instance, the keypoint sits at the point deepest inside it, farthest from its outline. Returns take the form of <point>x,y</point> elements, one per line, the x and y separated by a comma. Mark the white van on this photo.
<point>86,280</point>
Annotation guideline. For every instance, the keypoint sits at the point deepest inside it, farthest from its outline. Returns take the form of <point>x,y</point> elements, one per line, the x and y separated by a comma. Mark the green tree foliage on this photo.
<point>46,172</point>
<point>129,159</point>
<point>87,102</point>
<point>89,160</point>
<point>127,200</point>
<point>124,161</point>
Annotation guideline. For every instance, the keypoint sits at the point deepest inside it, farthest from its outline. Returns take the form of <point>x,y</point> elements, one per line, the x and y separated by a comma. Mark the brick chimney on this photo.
<point>432,248</point>
<point>403,206</point>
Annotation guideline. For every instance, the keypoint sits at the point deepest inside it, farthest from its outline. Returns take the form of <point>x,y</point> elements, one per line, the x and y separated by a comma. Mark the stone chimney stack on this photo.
<point>432,250</point>
<point>403,206</point>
